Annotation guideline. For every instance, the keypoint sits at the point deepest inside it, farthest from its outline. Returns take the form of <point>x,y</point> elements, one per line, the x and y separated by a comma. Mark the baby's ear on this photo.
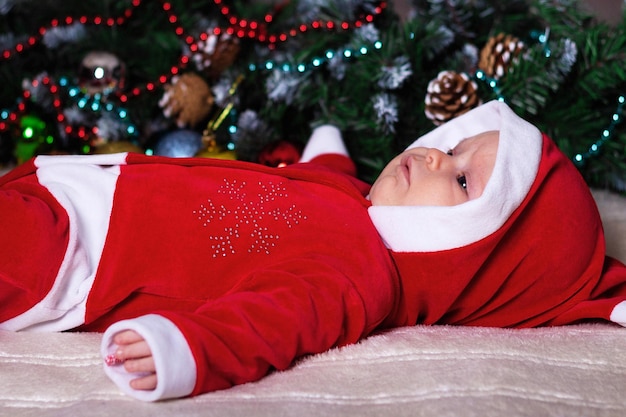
<point>325,139</point>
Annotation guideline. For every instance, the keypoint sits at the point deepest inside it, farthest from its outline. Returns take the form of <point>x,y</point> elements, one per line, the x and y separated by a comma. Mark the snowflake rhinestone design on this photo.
<point>248,222</point>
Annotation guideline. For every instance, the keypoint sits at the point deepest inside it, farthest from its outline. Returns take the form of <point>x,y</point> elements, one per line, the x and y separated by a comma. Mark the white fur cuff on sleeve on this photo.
<point>325,139</point>
<point>175,364</point>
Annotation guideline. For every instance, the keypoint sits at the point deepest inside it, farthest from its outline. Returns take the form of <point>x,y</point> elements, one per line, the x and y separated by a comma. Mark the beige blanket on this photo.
<point>418,371</point>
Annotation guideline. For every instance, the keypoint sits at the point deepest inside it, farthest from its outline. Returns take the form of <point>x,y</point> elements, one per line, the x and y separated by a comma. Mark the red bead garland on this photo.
<point>68,20</point>
<point>242,28</point>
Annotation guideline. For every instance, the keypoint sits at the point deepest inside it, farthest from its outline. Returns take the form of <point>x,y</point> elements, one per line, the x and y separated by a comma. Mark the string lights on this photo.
<point>241,28</point>
<point>255,30</point>
<point>315,62</point>
<point>580,158</point>
<point>33,40</point>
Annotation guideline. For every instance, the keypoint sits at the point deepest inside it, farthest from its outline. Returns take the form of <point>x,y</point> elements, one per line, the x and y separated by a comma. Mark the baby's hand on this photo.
<point>133,351</point>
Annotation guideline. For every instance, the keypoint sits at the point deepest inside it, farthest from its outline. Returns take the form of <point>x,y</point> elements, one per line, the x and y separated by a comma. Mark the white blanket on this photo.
<point>419,371</point>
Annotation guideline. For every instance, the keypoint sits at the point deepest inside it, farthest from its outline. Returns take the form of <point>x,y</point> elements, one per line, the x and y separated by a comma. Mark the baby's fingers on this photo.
<point>141,365</point>
<point>127,337</point>
<point>131,346</point>
<point>134,353</point>
<point>145,383</point>
<point>137,350</point>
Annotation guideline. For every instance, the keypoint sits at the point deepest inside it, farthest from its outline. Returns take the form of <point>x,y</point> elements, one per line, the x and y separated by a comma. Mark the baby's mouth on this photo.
<point>405,169</point>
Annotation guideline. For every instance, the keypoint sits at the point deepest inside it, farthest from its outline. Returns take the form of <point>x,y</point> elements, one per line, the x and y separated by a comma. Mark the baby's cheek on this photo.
<point>382,192</point>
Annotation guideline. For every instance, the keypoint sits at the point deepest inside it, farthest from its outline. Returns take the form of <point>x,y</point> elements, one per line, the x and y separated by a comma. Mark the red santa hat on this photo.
<point>528,252</point>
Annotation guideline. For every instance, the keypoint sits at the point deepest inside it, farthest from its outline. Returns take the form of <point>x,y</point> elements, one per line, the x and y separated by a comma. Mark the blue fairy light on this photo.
<point>315,62</point>
<point>580,158</point>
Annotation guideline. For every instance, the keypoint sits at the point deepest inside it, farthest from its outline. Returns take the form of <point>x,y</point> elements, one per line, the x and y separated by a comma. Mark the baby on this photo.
<point>204,274</point>
<point>418,176</point>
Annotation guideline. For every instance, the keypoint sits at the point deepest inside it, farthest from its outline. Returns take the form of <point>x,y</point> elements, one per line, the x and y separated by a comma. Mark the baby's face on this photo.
<point>430,177</point>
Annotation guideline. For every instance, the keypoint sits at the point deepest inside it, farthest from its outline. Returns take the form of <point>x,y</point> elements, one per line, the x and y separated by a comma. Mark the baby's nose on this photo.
<point>434,158</point>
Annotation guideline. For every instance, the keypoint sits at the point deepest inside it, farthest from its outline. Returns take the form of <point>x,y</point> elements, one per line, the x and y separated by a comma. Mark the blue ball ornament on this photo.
<point>181,143</point>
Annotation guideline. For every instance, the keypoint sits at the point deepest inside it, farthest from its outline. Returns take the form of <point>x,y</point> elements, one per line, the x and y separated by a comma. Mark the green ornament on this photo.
<point>33,136</point>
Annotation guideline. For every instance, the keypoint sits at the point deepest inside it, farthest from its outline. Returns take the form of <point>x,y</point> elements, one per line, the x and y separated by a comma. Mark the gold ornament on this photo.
<point>116,147</point>
<point>210,147</point>
<point>449,95</point>
<point>188,99</point>
<point>498,54</point>
<point>213,150</point>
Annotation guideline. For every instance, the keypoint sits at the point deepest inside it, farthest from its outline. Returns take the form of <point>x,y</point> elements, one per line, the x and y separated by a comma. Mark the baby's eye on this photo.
<point>462,181</point>
<point>450,152</point>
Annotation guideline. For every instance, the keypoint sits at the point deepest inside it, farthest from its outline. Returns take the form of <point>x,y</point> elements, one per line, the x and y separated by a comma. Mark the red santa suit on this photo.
<point>229,270</point>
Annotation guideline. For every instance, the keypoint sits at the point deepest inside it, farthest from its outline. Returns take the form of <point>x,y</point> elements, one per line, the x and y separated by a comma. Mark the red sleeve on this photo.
<point>274,317</point>
<point>35,235</point>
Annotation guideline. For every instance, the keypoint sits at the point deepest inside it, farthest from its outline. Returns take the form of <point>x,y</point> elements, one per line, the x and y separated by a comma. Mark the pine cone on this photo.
<point>498,54</point>
<point>449,95</point>
<point>216,53</point>
<point>188,99</point>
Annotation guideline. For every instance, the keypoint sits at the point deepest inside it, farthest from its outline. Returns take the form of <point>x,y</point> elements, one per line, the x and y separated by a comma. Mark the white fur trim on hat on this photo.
<point>430,228</point>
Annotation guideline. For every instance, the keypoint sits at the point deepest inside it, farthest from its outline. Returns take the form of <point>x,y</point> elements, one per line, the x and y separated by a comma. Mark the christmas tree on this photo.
<point>185,77</point>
